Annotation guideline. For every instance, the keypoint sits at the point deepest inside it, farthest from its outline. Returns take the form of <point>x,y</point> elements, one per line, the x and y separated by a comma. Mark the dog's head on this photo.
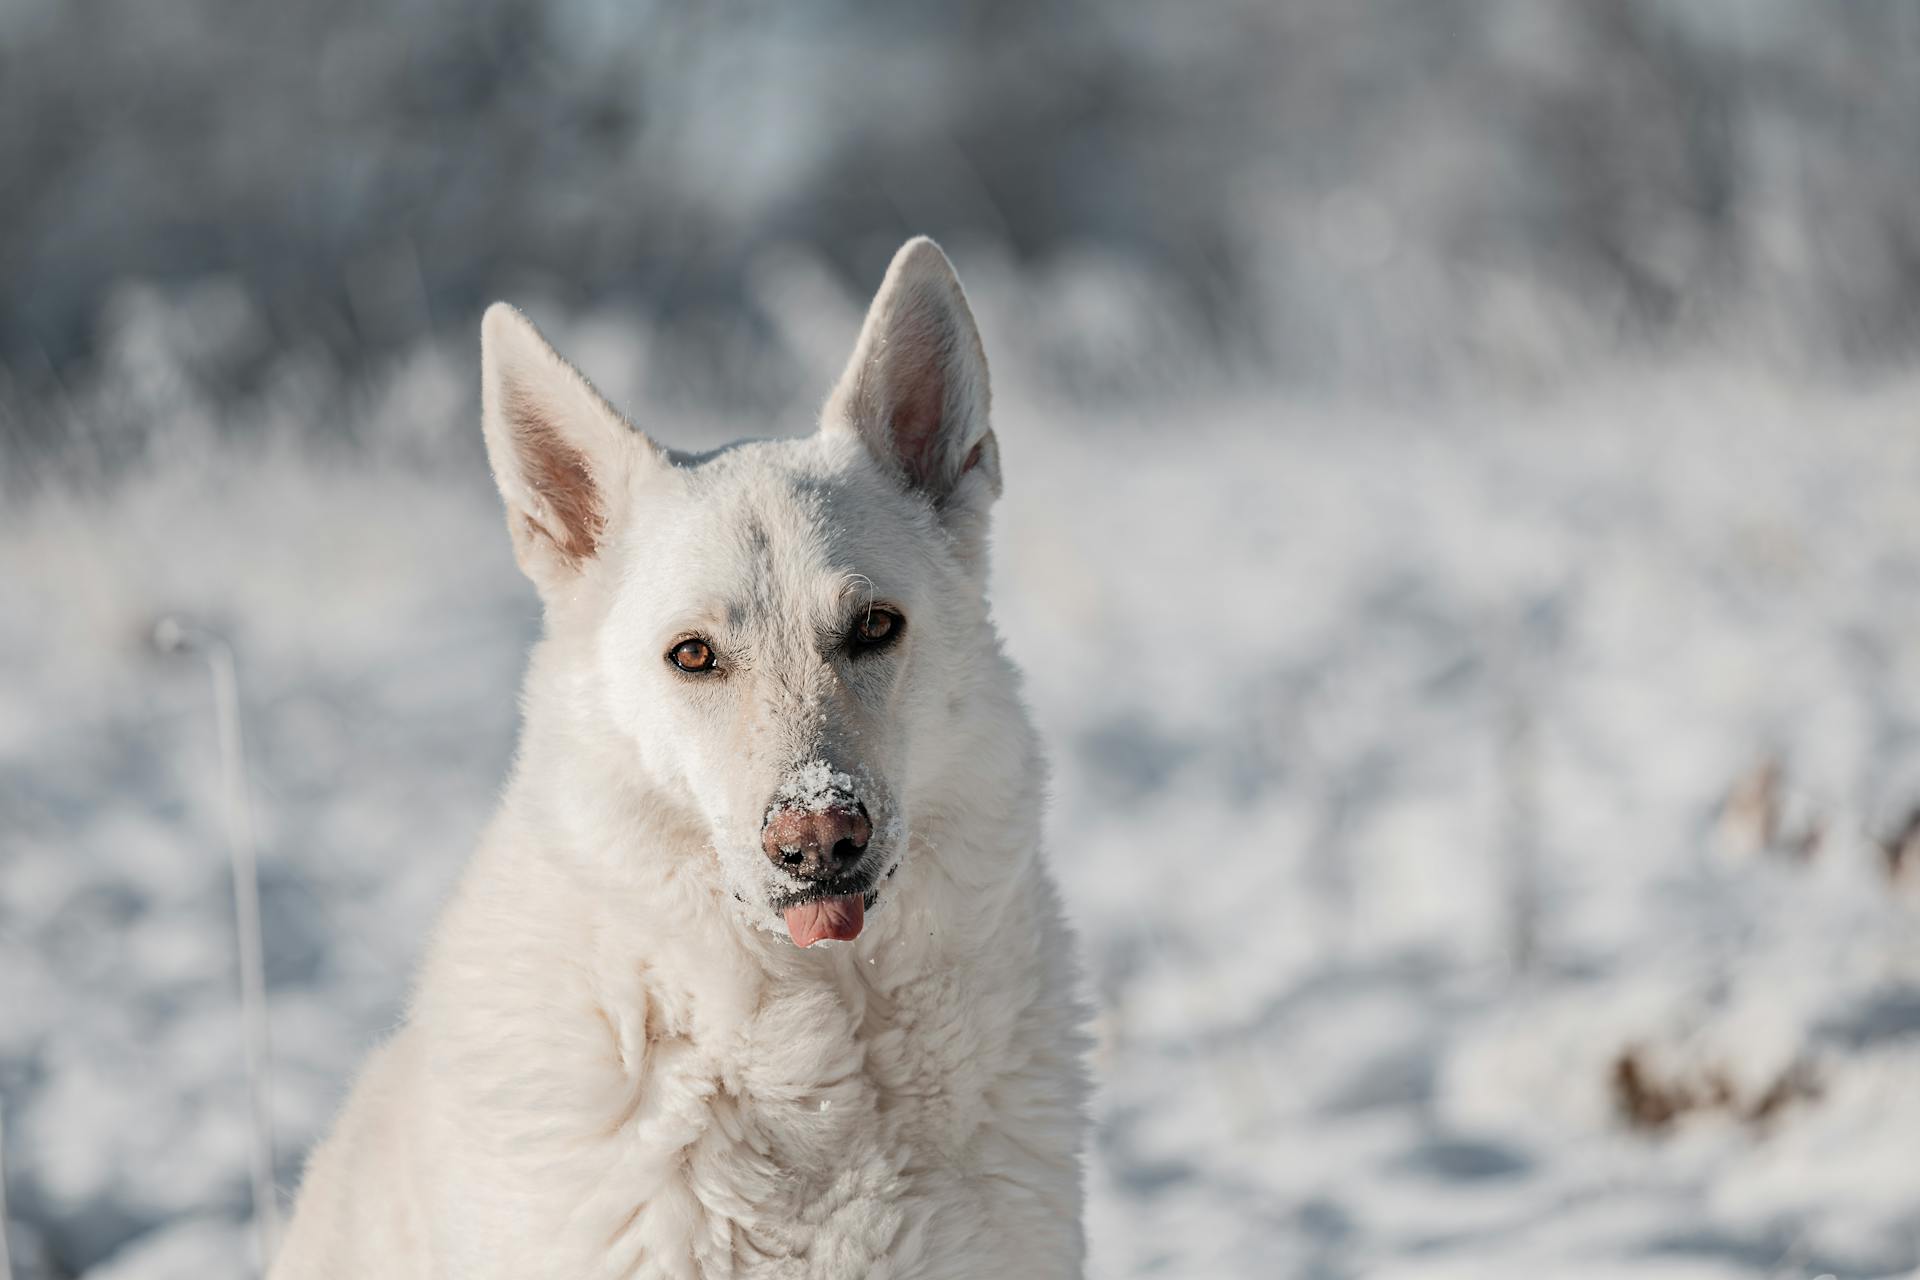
<point>779,632</point>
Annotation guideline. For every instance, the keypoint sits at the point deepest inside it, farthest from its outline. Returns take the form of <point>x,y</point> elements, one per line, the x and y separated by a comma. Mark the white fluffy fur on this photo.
<point>616,1063</point>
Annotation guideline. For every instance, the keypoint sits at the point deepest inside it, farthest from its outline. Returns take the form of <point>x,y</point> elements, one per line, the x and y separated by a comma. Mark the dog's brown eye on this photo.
<point>692,656</point>
<point>876,627</point>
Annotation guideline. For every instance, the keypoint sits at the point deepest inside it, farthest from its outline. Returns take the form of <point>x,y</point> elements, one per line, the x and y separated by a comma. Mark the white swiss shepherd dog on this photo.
<point>758,971</point>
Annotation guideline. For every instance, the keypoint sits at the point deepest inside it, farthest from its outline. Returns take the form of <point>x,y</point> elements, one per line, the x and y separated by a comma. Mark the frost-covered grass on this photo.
<point>1391,742</point>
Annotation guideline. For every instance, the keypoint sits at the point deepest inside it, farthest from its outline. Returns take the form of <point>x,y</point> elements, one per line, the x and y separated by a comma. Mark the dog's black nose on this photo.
<point>816,844</point>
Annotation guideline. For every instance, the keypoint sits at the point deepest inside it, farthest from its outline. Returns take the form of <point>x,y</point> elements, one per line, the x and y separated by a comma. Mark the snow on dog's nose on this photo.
<point>816,844</point>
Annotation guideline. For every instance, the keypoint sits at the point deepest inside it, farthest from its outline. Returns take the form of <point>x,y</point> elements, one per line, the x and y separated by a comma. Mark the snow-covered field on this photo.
<point>1392,744</point>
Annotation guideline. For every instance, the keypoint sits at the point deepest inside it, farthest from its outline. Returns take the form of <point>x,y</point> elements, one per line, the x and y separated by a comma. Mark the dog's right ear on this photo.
<point>561,455</point>
<point>916,391</point>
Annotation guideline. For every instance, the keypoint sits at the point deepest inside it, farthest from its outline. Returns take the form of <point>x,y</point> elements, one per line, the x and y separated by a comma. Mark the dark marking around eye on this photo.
<point>875,629</point>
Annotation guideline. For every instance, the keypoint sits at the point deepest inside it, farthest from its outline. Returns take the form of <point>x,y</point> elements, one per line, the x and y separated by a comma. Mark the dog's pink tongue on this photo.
<point>837,918</point>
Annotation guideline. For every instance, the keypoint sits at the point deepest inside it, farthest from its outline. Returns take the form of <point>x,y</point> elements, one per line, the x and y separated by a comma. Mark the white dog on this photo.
<point>758,971</point>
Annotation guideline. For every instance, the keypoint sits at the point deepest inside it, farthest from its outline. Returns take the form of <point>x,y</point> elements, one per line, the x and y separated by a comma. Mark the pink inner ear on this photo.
<point>919,406</point>
<point>558,473</point>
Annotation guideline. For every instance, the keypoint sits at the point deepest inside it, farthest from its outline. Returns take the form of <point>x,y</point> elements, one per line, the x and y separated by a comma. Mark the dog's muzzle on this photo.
<point>821,847</point>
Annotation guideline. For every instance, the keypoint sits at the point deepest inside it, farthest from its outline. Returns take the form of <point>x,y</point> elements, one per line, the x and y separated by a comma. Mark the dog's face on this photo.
<point>773,644</point>
<point>773,629</point>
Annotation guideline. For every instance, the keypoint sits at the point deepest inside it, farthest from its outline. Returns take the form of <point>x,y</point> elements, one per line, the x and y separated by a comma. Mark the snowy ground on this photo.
<point>1392,747</point>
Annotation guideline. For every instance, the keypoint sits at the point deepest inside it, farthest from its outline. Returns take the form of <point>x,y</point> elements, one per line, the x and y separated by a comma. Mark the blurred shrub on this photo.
<point>1366,190</point>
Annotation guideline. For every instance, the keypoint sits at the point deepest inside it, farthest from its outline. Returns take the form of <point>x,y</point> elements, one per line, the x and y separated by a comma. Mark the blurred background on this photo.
<point>1517,396</point>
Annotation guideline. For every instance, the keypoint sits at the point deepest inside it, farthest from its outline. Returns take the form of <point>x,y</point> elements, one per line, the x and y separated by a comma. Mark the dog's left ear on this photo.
<point>916,388</point>
<point>561,455</point>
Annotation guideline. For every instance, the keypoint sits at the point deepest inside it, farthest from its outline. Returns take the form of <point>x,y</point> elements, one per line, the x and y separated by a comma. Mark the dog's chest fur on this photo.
<point>877,1109</point>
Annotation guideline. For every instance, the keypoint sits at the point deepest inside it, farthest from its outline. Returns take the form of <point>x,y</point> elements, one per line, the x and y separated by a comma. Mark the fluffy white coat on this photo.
<point>616,1062</point>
